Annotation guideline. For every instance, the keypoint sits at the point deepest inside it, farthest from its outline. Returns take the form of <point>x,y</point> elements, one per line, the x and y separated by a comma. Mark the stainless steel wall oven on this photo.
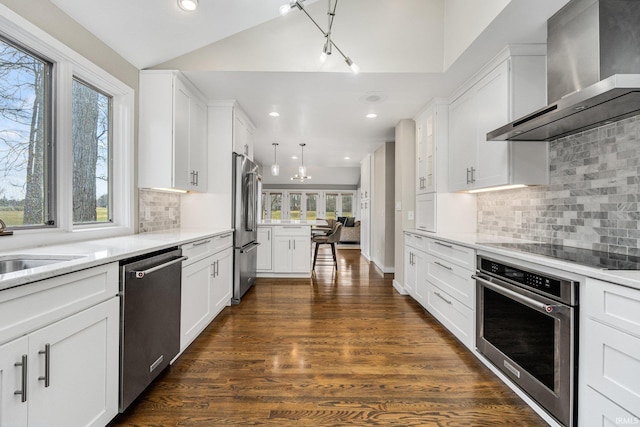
<point>527,327</point>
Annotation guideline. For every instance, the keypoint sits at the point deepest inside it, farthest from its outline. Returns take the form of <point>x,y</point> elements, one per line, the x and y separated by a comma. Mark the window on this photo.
<point>347,205</point>
<point>27,184</point>
<point>48,191</point>
<point>295,205</point>
<point>312,206</point>
<point>331,201</point>
<point>275,206</point>
<point>91,123</point>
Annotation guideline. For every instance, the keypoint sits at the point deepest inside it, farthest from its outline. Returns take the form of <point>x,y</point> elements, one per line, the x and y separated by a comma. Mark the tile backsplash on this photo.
<point>158,210</point>
<point>592,199</point>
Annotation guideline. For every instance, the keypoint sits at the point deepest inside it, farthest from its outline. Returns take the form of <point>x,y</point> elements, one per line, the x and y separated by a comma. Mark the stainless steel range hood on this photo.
<point>593,71</point>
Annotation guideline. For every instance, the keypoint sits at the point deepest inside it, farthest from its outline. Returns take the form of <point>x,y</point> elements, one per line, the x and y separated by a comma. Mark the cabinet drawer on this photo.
<point>456,254</point>
<point>223,241</point>
<point>613,361</point>
<point>416,241</point>
<point>614,304</point>
<point>595,410</point>
<point>452,278</point>
<point>455,316</point>
<point>196,251</point>
<point>28,307</point>
<point>292,230</point>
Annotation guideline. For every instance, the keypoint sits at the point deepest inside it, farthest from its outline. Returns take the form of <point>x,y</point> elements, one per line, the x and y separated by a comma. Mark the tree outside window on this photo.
<point>91,154</point>
<point>27,187</point>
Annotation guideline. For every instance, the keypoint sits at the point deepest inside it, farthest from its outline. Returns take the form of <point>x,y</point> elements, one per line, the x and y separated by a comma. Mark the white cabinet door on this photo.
<point>300,254</point>
<point>242,133</point>
<point>492,98</point>
<point>198,169</point>
<point>221,286</point>
<point>181,113</point>
<point>409,271</point>
<point>195,306</point>
<point>13,411</point>
<point>426,212</point>
<point>281,254</point>
<point>421,291</point>
<point>425,152</point>
<point>264,250</point>
<point>462,141</point>
<point>83,362</point>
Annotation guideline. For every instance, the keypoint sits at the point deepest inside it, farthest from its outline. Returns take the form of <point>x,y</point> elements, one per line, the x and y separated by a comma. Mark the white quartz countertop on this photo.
<point>630,278</point>
<point>281,222</point>
<point>91,253</point>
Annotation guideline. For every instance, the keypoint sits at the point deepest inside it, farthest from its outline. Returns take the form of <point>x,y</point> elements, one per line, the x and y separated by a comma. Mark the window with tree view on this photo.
<point>27,187</point>
<point>91,154</point>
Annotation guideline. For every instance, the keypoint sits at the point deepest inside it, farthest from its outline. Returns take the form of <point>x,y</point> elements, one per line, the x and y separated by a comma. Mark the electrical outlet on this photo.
<point>410,213</point>
<point>518,218</point>
<point>398,205</point>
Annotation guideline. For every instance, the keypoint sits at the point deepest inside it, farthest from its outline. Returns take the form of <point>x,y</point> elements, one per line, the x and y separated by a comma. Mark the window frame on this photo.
<point>68,64</point>
<point>321,211</point>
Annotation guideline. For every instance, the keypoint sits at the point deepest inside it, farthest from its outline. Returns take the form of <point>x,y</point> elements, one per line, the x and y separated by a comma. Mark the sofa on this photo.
<point>350,230</point>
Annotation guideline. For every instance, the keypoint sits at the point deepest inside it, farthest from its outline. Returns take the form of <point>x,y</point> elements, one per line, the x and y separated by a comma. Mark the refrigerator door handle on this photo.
<point>249,247</point>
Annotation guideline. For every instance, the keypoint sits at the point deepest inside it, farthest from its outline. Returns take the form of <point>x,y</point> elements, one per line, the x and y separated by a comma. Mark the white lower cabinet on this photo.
<point>438,276</point>
<point>70,377</point>
<point>292,250</point>
<point>609,391</point>
<point>264,255</point>
<point>206,286</point>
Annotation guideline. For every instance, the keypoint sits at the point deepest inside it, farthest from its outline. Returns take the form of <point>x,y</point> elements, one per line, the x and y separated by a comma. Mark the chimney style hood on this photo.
<point>593,71</point>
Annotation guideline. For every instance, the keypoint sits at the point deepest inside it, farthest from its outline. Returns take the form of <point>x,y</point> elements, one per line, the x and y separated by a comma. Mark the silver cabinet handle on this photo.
<point>204,242</point>
<point>23,392</point>
<point>442,265</point>
<point>217,267</point>
<point>442,298</point>
<point>141,274</point>
<point>468,179</point>
<point>294,245</point>
<point>289,244</point>
<point>443,244</point>
<point>47,365</point>
<point>473,175</point>
<point>268,234</point>
<point>197,178</point>
<point>226,235</point>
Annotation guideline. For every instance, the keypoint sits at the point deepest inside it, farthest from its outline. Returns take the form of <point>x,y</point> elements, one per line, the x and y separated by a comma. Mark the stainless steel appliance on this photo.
<point>245,224</point>
<point>150,288</point>
<point>527,327</point>
<point>593,64</point>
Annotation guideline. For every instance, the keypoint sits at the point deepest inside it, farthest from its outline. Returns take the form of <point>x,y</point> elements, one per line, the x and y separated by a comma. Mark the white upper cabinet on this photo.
<point>173,132</point>
<point>242,133</point>
<point>511,85</point>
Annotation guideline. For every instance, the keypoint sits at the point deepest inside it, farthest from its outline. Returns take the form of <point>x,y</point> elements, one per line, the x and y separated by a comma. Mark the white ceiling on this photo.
<point>244,50</point>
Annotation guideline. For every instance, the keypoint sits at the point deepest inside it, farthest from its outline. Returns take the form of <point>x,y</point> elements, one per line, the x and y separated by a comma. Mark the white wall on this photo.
<point>382,214</point>
<point>464,20</point>
<point>405,191</point>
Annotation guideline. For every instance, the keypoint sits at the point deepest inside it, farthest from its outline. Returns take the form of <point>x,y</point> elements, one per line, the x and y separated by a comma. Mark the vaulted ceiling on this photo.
<point>409,51</point>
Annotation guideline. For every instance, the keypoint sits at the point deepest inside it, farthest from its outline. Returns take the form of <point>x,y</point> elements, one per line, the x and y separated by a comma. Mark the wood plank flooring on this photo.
<point>338,349</point>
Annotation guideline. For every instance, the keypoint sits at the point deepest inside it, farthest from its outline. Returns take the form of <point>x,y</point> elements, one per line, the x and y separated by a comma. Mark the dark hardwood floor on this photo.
<point>335,350</point>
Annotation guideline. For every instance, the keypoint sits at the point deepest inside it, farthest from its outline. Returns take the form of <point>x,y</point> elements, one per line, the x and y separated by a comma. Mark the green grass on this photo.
<point>15,218</point>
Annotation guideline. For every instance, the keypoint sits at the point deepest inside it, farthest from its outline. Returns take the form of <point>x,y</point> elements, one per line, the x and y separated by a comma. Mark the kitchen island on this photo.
<point>285,248</point>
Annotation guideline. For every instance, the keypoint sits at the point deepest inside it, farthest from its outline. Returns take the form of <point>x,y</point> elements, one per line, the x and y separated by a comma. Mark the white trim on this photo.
<point>67,64</point>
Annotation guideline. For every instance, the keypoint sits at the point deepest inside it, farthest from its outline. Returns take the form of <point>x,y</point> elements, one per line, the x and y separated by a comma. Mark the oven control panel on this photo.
<point>548,285</point>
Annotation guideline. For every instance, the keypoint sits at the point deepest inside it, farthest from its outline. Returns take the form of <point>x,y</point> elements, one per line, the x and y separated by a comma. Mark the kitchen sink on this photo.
<point>13,263</point>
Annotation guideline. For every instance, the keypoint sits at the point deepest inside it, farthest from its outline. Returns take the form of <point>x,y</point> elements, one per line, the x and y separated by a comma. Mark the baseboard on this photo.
<point>399,288</point>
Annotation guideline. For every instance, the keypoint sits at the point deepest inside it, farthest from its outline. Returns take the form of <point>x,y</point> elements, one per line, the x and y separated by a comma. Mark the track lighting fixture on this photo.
<point>188,5</point>
<point>329,43</point>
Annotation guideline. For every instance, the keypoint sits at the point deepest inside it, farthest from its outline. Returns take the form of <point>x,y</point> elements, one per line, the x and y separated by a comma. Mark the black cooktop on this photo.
<point>586,257</point>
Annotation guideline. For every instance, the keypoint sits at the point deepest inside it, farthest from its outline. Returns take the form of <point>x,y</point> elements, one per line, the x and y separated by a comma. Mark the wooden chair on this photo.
<point>328,239</point>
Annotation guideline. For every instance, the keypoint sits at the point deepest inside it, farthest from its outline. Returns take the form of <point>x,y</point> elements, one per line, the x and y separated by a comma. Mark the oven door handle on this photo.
<point>544,308</point>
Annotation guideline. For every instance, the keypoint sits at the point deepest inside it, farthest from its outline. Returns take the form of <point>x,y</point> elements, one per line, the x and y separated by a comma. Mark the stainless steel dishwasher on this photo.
<point>150,288</point>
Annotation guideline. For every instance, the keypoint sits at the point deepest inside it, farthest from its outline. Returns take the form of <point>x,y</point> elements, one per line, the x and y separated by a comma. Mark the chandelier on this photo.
<point>302,170</point>
<point>329,43</point>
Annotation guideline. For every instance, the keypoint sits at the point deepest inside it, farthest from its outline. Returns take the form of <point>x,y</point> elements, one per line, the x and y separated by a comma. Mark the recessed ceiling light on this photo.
<point>347,158</point>
<point>294,157</point>
<point>274,114</point>
<point>188,5</point>
<point>372,116</point>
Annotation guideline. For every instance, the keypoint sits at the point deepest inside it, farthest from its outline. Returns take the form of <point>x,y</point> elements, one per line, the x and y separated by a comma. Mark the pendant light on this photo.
<point>275,167</point>
<point>302,170</point>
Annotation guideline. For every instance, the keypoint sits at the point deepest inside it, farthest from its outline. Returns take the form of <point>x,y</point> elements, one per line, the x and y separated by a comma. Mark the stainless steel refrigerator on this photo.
<point>245,224</point>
